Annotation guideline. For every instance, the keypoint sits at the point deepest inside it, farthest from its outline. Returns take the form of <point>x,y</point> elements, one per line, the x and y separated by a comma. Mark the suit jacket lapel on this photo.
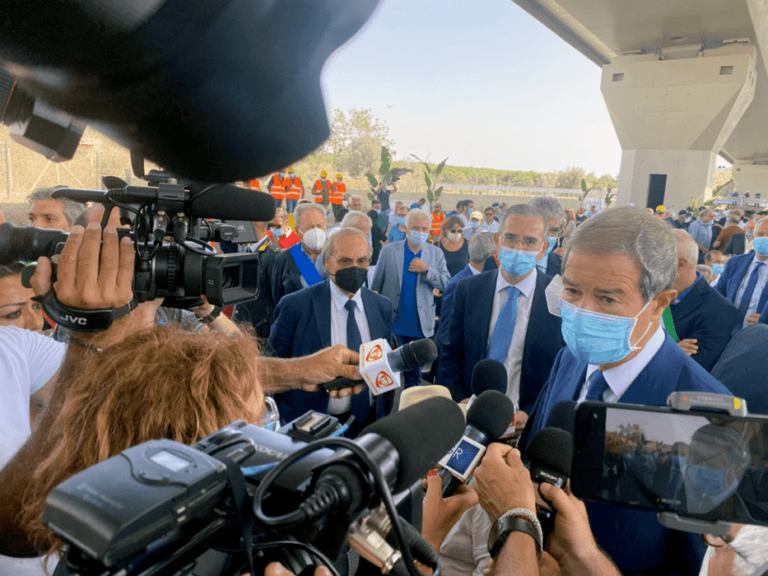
<point>375,323</point>
<point>743,269</point>
<point>483,311</point>
<point>539,300</point>
<point>321,306</point>
<point>400,261</point>
<point>691,301</point>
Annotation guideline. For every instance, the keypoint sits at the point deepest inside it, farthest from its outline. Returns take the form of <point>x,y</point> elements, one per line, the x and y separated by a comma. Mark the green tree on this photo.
<point>570,177</point>
<point>347,128</point>
<point>387,172</point>
<point>432,192</point>
<point>360,156</point>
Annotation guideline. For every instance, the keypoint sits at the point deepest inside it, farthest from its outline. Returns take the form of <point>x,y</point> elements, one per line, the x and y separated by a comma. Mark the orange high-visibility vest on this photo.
<point>254,185</point>
<point>276,188</point>
<point>292,188</point>
<point>337,193</point>
<point>319,188</point>
<point>437,222</point>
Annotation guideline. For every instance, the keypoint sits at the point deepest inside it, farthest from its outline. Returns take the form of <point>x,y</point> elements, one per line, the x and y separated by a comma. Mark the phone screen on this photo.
<point>696,464</point>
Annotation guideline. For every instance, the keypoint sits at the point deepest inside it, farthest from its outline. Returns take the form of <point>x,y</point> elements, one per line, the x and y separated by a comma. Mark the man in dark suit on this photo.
<point>554,213</point>
<point>703,319</point>
<point>503,315</point>
<point>338,310</point>
<point>295,268</point>
<point>745,277</point>
<point>741,243</point>
<point>619,269</point>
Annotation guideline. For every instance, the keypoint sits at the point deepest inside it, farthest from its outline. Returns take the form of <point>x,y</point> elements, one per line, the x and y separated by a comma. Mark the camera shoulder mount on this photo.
<point>83,320</point>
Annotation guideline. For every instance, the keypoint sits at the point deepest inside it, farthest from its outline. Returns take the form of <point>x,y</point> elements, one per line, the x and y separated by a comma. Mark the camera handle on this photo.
<point>83,320</point>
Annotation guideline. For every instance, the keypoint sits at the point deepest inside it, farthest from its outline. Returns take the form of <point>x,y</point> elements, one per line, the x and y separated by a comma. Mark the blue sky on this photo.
<point>481,82</point>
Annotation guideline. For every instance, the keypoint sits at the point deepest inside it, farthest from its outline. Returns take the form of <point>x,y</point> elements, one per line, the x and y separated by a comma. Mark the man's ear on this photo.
<point>544,248</point>
<point>661,301</point>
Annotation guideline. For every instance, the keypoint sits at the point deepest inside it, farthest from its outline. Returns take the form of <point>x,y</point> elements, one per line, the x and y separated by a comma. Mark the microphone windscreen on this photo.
<point>78,195</point>
<point>491,413</point>
<point>412,355</point>
<point>563,416</point>
<point>489,374</point>
<point>230,202</point>
<point>551,448</point>
<point>422,435</point>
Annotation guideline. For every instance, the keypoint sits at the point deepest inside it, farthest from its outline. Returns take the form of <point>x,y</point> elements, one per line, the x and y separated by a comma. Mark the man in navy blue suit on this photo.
<point>336,311</point>
<point>745,277</point>
<point>618,272</point>
<point>554,212</point>
<point>703,319</point>
<point>503,315</point>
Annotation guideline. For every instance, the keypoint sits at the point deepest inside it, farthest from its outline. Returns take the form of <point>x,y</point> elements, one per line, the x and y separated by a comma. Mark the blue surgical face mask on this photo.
<point>761,245</point>
<point>474,224</point>
<point>706,488</point>
<point>552,244</point>
<point>748,235</point>
<point>417,238</point>
<point>516,262</point>
<point>401,220</point>
<point>718,268</point>
<point>597,338</point>
<point>709,224</point>
<point>470,210</point>
<point>277,232</point>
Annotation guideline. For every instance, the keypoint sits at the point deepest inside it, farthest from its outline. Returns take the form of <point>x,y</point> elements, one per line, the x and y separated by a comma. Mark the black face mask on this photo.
<point>351,279</point>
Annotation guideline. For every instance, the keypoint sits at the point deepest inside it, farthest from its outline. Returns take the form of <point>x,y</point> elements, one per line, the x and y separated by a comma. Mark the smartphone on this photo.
<point>698,464</point>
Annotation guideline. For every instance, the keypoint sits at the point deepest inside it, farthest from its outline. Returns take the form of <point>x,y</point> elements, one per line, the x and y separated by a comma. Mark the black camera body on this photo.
<point>171,223</point>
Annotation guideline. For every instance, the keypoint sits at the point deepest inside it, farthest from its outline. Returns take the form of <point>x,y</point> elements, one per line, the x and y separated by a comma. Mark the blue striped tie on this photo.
<point>505,327</point>
<point>354,340</point>
<point>597,386</point>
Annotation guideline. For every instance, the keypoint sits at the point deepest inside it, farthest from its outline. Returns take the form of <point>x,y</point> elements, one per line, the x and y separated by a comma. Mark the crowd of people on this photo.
<point>619,305</point>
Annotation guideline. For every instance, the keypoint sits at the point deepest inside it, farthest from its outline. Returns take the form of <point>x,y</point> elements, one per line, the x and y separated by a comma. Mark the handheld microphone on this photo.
<point>489,374</point>
<point>487,420</point>
<point>549,456</point>
<point>380,366</point>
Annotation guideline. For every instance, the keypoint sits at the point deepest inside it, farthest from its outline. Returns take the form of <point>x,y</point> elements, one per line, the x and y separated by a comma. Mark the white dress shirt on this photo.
<point>492,227</point>
<point>339,335</point>
<point>621,377</point>
<point>762,280</point>
<point>514,359</point>
<point>464,219</point>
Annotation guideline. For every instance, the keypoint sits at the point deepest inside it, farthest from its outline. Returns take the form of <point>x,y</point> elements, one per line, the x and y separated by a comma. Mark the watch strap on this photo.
<point>513,524</point>
<point>215,313</point>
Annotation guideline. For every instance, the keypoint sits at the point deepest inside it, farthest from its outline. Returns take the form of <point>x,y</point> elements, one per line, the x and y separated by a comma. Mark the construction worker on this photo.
<point>322,190</point>
<point>337,194</point>
<point>437,222</point>
<point>254,184</point>
<point>276,188</point>
<point>294,190</point>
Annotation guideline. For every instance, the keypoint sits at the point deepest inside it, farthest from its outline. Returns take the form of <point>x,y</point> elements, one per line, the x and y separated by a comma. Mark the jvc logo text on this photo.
<point>75,319</point>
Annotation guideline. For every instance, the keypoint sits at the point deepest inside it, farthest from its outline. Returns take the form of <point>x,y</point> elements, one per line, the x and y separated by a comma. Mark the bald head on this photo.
<point>687,260</point>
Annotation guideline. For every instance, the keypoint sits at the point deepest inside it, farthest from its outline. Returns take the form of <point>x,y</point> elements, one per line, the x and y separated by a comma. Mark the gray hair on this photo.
<point>705,270</point>
<point>687,249</point>
<point>353,196</point>
<point>524,210</point>
<point>329,243</point>
<point>763,219</point>
<point>549,207</point>
<point>708,255</point>
<point>303,208</point>
<point>641,236</point>
<point>415,213</point>
<point>734,216</point>
<point>671,213</point>
<point>705,212</point>
<point>352,218</point>
<point>481,246</point>
<point>70,208</point>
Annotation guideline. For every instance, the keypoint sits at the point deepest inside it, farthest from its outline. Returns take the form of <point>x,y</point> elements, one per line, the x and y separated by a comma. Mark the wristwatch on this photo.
<point>215,313</point>
<point>504,526</point>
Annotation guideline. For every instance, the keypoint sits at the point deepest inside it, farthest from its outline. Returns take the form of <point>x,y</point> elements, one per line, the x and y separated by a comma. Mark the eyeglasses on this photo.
<point>716,541</point>
<point>528,242</point>
<point>347,262</point>
<point>555,231</point>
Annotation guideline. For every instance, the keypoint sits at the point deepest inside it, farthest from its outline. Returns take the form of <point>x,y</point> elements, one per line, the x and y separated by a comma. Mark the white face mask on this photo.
<point>453,236</point>
<point>314,238</point>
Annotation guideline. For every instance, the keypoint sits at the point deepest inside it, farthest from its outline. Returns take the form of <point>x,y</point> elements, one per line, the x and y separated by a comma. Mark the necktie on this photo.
<point>597,386</point>
<point>354,340</point>
<point>505,327</point>
<point>747,297</point>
